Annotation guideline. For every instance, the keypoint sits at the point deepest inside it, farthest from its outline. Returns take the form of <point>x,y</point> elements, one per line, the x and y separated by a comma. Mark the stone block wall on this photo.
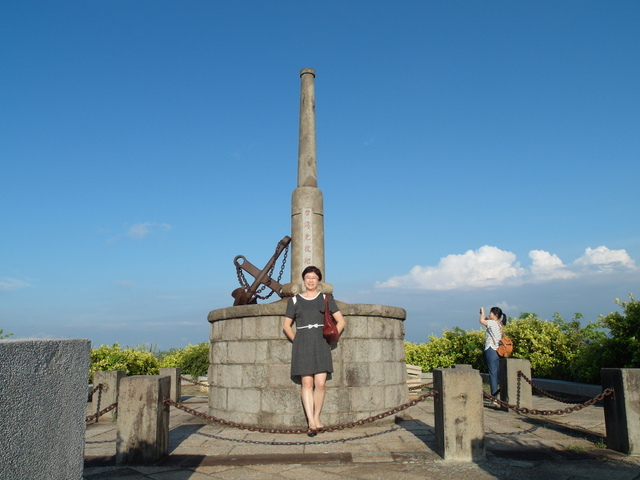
<point>250,359</point>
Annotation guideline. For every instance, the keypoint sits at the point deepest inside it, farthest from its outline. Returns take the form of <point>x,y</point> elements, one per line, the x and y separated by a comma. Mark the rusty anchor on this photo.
<point>248,294</point>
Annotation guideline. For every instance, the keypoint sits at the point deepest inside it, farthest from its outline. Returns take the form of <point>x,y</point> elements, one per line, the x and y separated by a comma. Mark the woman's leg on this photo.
<point>307,400</point>
<point>319,380</point>
<point>493,364</point>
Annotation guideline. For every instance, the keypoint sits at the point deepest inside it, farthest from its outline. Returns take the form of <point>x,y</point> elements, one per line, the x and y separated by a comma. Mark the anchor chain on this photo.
<point>331,428</point>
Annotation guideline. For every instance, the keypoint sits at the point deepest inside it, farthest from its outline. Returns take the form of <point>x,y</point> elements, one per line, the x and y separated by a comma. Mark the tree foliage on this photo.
<point>4,335</point>
<point>193,360</point>
<point>143,359</point>
<point>136,361</point>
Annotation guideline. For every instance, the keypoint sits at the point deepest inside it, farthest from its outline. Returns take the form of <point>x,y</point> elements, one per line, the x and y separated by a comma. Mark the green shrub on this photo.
<point>135,361</point>
<point>617,348</point>
<point>544,343</point>
<point>456,346</point>
<point>193,360</point>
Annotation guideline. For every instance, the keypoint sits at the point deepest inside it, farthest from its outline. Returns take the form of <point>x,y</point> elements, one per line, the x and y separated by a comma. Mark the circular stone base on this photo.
<point>249,372</point>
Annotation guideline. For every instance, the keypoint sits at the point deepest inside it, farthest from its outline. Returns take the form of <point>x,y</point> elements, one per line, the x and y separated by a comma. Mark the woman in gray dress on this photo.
<point>311,354</point>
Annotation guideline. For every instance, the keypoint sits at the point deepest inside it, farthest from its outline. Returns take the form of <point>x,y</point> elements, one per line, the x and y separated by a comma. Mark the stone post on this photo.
<point>459,419</point>
<point>509,391</point>
<point>176,382</point>
<point>143,420</point>
<point>109,393</point>
<point>622,409</point>
<point>43,387</point>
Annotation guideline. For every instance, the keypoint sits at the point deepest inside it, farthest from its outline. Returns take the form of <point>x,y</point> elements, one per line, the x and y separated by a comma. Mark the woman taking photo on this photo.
<point>494,323</point>
<point>311,354</point>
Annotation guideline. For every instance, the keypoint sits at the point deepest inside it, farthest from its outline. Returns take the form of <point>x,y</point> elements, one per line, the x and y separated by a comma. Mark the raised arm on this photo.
<point>483,318</point>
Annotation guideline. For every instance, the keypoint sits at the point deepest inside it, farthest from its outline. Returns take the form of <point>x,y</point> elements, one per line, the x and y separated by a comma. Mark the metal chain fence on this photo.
<point>95,416</point>
<point>331,428</point>
<point>559,411</point>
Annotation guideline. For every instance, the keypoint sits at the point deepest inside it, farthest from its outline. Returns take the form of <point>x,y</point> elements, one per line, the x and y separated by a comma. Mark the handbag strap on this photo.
<point>326,302</point>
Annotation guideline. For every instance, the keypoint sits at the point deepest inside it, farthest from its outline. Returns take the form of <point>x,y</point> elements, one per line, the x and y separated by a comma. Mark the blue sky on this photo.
<point>470,154</point>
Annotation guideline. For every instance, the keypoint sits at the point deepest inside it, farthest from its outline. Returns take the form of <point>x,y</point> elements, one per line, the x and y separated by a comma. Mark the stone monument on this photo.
<point>249,356</point>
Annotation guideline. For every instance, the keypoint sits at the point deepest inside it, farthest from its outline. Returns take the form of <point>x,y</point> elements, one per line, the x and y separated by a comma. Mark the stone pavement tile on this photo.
<point>180,474</point>
<point>317,472</point>
<point>340,448</point>
<point>212,470</point>
<point>370,457</point>
<point>266,449</point>
<point>257,472</point>
<point>438,470</point>
<point>125,473</point>
<point>201,451</point>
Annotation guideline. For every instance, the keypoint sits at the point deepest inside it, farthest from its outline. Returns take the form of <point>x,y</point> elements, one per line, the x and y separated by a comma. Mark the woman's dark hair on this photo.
<point>497,311</point>
<point>312,269</point>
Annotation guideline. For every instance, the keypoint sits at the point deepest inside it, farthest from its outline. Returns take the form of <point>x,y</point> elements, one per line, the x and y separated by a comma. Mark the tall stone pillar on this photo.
<point>307,210</point>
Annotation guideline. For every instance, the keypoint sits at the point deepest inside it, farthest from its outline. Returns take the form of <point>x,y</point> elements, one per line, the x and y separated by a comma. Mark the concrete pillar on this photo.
<point>622,409</point>
<point>109,393</point>
<point>463,366</point>
<point>459,419</point>
<point>143,420</point>
<point>307,161</point>
<point>509,392</point>
<point>43,387</point>
<point>307,210</point>
<point>176,382</point>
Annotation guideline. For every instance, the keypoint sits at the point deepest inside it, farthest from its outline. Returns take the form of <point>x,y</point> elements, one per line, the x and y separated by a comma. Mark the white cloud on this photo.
<point>11,284</point>
<point>506,308</point>
<point>141,230</point>
<point>491,267</point>
<point>547,266</point>
<point>485,267</point>
<point>604,260</point>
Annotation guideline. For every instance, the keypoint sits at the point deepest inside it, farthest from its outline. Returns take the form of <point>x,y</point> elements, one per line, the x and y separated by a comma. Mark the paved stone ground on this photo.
<point>519,447</point>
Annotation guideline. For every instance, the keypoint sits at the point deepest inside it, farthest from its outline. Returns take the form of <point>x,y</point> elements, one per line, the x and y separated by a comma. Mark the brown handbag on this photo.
<point>505,345</point>
<point>330,329</point>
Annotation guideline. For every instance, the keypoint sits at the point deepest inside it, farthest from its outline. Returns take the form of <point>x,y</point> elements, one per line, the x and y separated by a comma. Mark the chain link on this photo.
<point>332,428</point>
<point>421,386</point>
<point>194,382</point>
<point>544,392</point>
<point>100,386</point>
<point>560,411</point>
<point>95,416</point>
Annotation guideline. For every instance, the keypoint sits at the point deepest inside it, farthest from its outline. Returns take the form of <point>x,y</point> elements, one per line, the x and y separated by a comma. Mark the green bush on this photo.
<point>456,346</point>
<point>617,348</point>
<point>544,343</point>
<point>135,361</point>
<point>193,360</point>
